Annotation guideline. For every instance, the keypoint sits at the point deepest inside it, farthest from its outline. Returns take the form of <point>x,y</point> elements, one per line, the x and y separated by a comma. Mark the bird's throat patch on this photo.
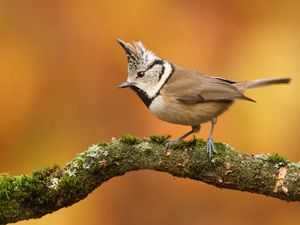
<point>143,95</point>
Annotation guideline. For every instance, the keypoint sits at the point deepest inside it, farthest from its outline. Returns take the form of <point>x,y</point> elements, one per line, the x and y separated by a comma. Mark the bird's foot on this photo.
<point>170,143</point>
<point>210,148</point>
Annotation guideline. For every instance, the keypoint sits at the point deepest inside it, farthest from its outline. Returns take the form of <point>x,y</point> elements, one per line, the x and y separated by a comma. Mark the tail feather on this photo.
<point>242,86</point>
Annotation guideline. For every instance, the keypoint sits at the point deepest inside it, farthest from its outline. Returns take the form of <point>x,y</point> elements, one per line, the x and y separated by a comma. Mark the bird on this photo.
<point>182,96</point>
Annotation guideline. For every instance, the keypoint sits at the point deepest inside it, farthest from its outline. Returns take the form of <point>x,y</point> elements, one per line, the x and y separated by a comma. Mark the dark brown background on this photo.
<point>59,69</point>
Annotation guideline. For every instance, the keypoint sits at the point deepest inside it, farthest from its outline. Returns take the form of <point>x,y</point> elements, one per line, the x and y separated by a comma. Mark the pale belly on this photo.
<point>172,111</point>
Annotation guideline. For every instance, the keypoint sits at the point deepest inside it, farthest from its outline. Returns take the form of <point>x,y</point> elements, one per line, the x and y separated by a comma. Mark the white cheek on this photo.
<point>152,92</point>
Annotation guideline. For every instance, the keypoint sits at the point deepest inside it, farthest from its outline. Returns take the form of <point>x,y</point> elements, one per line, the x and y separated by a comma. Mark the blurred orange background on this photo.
<point>60,66</point>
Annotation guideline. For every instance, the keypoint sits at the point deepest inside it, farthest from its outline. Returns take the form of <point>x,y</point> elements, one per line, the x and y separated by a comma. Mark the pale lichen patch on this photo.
<point>261,156</point>
<point>284,190</point>
<point>87,159</point>
<point>94,148</point>
<point>54,183</point>
<point>144,146</point>
<point>168,152</point>
<point>228,146</point>
<point>280,180</point>
<point>71,172</point>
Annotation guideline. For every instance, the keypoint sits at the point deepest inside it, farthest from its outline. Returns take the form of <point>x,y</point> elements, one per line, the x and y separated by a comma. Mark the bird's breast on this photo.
<point>169,109</point>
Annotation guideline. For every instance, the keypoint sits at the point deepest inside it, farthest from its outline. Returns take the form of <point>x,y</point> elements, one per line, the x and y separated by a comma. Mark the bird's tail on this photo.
<point>242,86</point>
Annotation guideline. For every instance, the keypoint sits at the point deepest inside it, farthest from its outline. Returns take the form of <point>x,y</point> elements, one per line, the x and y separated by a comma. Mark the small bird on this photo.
<point>183,96</point>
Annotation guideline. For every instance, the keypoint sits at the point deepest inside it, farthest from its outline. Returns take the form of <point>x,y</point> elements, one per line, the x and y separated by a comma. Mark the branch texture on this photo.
<point>49,189</point>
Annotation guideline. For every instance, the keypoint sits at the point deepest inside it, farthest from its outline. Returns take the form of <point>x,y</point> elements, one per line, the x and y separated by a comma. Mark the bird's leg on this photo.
<point>194,129</point>
<point>210,148</point>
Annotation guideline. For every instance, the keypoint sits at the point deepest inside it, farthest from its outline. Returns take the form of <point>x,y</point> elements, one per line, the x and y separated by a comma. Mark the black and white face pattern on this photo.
<point>147,73</point>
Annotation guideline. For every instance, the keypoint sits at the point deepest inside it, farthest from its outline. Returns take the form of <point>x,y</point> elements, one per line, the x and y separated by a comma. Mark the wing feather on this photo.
<point>191,87</point>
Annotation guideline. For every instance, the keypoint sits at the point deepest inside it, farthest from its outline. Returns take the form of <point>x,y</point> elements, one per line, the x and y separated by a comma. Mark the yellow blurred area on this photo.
<point>60,66</point>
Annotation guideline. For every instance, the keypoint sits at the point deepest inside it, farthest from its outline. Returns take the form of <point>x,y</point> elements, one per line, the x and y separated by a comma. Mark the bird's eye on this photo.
<point>140,74</point>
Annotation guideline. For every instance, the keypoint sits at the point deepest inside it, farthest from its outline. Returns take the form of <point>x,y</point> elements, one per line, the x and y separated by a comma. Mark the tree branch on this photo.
<point>49,189</point>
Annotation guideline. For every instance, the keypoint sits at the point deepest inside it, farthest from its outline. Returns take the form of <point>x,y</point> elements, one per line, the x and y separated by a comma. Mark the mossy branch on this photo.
<point>49,189</point>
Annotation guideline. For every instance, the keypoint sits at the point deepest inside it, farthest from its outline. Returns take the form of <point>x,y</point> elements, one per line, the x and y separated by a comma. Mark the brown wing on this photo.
<point>190,87</point>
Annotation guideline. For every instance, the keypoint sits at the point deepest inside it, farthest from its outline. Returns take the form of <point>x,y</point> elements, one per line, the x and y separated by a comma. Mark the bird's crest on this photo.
<point>137,55</point>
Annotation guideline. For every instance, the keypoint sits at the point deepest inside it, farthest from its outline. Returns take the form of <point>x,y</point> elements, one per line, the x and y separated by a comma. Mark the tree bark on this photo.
<point>49,189</point>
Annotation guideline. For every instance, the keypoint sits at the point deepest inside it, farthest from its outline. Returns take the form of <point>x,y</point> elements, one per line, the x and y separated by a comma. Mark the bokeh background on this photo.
<point>59,69</point>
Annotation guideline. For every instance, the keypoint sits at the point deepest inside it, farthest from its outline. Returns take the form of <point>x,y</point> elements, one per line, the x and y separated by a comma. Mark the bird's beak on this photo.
<point>126,84</point>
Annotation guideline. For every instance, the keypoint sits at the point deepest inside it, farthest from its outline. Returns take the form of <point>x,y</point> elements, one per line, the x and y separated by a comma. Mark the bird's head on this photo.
<point>146,72</point>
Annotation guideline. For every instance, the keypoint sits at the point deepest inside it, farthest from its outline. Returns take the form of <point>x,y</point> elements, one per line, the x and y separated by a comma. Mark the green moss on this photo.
<point>221,148</point>
<point>184,144</point>
<point>72,188</point>
<point>148,152</point>
<point>5,183</point>
<point>21,187</point>
<point>41,174</point>
<point>102,144</point>
<point>159,139</point>
<point>222,151</point>
<point>201,144</point>
<point>129,139</point>
<point>277,159</point>
<point>23,192</point>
